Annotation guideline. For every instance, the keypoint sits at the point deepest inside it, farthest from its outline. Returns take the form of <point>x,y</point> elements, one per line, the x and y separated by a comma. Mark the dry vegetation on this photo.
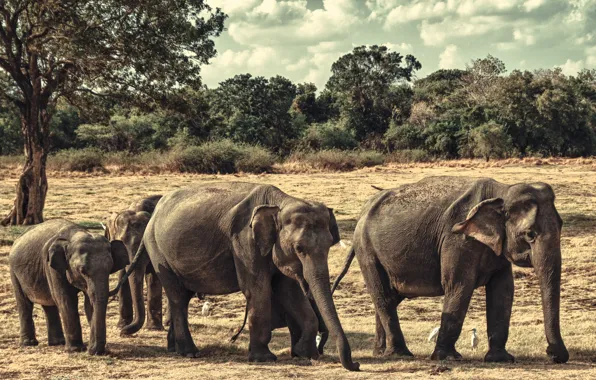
<point>89,198</point>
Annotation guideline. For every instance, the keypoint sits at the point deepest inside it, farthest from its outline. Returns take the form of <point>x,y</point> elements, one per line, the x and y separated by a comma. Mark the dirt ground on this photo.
<point>89,199</point>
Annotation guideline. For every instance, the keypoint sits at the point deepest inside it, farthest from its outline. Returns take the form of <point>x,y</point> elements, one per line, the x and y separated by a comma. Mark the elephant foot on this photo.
<point>304,350</point>
<point>97,349</point>
<point>558,354</point>
<point>439,354</point>
<point>123,322</point>
<point>56,341</point>
<point>498,356</point>
<point>154,326</point>
<point>398,351</point>
<point>378,351</point>
<point>260,357</point>
<point>70,348</point>
<point>27,342</point>
<point>188,350</point>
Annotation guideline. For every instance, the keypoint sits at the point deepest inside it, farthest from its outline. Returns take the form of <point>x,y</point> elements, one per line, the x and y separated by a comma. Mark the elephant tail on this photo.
<point>347,264</point>
<point>131,269</point>
<point>233,339</point>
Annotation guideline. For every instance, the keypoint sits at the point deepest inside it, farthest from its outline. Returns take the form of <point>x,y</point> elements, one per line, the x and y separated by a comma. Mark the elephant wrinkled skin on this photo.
<point>448,236</point>
<point>49,265</point>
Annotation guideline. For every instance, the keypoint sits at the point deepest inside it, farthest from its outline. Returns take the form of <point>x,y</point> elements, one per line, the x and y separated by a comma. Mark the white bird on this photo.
<point>206,309</point>
<point>474,340</point>
<point>318,340</point>
<point>434,334</point>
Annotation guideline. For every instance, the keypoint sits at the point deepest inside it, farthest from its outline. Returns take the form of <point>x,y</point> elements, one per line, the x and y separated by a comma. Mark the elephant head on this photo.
<point>299,236</point>
<point>87,261</point>
<point>524,226</point>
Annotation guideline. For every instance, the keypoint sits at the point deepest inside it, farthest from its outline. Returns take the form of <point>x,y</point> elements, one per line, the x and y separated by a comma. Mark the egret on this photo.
<point>434,334</point>
<point>318,340</point>
<point>206,309</point>
<point>474,340</point>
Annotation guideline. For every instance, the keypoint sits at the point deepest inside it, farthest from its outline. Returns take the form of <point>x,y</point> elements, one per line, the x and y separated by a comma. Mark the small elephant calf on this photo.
<point>49,265</point>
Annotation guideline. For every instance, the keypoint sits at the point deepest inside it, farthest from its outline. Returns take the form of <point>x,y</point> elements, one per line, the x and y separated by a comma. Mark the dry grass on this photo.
<point>91,197</point>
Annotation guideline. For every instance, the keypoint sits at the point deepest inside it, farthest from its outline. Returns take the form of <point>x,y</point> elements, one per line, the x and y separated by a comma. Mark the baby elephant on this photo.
<point>129,227</point>
<point>49,265</point>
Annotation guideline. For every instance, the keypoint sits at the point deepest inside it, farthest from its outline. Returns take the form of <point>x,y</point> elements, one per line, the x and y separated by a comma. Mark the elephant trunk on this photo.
<point>138,301</point>
<point>99,299</point>
<point>546,259</point>
<point>317,277</point>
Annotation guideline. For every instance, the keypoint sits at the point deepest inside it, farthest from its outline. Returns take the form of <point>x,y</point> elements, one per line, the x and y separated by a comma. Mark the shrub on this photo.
<point>490,140</point>
<point>327,136</point>
<point>405,156</point>
<point>221,156</point>
<point>405,136</point>
<point>337,160</point>
<point>79,160</point>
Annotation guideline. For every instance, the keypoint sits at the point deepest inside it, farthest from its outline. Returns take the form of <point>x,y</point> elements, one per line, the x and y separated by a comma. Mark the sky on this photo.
<point>300,39</point>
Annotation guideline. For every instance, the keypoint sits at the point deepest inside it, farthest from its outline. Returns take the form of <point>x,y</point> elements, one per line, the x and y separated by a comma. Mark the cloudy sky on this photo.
<point>300,39</point>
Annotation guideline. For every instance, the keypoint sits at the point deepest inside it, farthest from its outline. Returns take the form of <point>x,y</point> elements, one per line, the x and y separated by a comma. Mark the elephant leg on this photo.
<point>385,300</point>
<point>55,333</point>
<point>167,318</point>
<point>380,337</point>
<point>258,295</point>
<point>25,308</point>
<point>154,305</point>
<point>299,311</point>
<point>125,303</point>
<point>67,302</point>
<point>455,307</point>
<point>499,300</point>
<point>323,330</point>
<point>179,338</point>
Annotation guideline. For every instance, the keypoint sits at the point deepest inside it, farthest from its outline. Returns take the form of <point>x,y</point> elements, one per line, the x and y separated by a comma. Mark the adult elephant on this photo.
<point>224,237</point>
<point>129,226</point>
<point>448,236</point>
<point>49,265</point>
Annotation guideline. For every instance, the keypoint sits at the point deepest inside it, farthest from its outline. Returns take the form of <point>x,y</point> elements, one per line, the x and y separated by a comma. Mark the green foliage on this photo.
<point>490,141</point>
<point>222,156</point>
<point>325,136</point>
<point>77,160</point>
<point>11,140</point>
<point>406,136</point>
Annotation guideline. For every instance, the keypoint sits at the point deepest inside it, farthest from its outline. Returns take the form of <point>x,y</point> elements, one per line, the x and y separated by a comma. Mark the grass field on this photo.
<point>89,199</point>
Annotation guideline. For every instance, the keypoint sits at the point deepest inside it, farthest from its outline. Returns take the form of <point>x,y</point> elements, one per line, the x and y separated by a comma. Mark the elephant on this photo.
<point>49,265</point>
<point>129,226</point>
<point>220,238</point>
<point>448,236</point>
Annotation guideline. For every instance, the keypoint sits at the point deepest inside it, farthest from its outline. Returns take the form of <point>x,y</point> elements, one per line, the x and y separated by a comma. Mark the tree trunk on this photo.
<point>32,187</point>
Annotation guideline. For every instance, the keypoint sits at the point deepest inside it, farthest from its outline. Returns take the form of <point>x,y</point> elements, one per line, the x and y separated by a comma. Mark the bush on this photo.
<point>222,156</point>
<point>78,160</point>
<point>327,136</point>
<point>490,141</point>
<point>406,156</point>
<point>337,160</point>
<point>405,136</point>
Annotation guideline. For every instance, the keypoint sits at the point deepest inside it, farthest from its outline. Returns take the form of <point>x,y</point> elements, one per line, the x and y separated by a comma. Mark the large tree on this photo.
<point>133,51</point>
<point>365,82</point>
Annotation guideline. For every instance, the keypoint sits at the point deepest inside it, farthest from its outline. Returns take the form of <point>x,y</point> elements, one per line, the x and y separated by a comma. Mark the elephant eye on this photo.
<point>530,236</point>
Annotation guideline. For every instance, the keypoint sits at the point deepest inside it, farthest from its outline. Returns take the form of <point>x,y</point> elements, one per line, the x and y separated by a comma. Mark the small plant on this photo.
<point>406,156</point>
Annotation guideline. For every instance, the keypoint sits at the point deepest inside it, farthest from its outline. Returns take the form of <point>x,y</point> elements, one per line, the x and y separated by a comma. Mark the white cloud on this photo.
<point>450,59</point>
<point>572,67</point>
<point>435,34</point>
<point>591,57</point>
<point>400,48</point>
<point>530,5</point>
<point>525,37</point>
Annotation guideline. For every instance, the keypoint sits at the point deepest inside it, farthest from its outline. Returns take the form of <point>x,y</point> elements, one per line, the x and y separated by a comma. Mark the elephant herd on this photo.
<point>441,236</point>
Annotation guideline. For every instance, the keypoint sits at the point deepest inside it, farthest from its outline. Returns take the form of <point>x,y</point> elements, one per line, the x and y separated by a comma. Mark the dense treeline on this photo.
<point>371,101</point>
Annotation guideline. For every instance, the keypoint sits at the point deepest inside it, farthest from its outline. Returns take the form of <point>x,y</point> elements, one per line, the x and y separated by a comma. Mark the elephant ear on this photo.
<point>119,255</point>
<point>333,228</point>
<point>485,223</point>
<point>264,227</point>
<point>57,255</point>
<point>110,227</point>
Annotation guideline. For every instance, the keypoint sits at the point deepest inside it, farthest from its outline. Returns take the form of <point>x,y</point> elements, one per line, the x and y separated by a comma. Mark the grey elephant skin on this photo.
<point>49,265</point>
<point>129,226</point>
<point>227,237</point>
<point>448,236</point>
